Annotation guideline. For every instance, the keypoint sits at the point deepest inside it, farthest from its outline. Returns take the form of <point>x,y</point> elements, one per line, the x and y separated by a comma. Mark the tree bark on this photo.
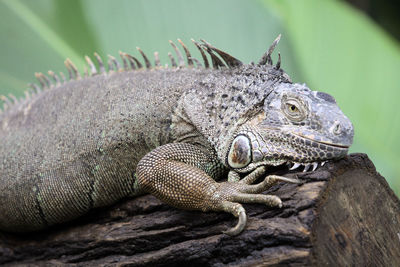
<point>343,214</point>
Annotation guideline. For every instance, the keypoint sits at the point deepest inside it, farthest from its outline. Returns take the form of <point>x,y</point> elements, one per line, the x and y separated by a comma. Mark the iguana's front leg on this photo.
<point>180,175</point>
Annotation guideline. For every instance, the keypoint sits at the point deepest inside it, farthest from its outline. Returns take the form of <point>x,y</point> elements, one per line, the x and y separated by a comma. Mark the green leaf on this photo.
<point>38,26</point>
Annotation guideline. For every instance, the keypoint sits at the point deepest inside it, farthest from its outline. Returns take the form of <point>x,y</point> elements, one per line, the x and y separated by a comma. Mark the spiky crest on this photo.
<point>266,58</point>
<point>203,55</point>
<point>124,60</point>
<point>132,60</point>
<point>55,77</point>
<point>173,62</point>
<point>63,77</point>
<point>112,62</point>
<point>188,55</point>
<point>219,59</point>
<point>229,60</point>
<point>278,64</point>
<point>100,62</point>
<point>35,88</point>
<point>157,62</point>
<point>146,60</point>
<point>198,63</point>
<point>5,103</point>
<point>92,67</point>
<point>72,70</point>
<point>181,62</point>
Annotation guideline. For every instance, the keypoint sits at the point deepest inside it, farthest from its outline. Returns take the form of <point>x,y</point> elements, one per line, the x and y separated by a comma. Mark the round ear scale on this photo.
<point>239,155</point>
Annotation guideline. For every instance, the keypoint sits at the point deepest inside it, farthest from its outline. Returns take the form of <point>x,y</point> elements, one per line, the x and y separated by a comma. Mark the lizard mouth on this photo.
<point>327,143</point>
<point>330,150</point>
<point>312,166</point>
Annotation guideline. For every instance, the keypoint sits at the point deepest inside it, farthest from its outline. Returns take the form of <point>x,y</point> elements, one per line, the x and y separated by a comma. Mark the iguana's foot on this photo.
<point>228,196</point>
<point>178,174</point>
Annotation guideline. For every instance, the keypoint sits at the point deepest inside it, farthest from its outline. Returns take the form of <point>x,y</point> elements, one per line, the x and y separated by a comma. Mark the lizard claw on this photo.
<point>241,223</point>
<point>230,195</point>
<point>238,211</point>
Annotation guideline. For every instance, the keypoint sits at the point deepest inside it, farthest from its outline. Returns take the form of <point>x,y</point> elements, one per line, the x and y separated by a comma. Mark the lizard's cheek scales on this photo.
<point>239,155</point>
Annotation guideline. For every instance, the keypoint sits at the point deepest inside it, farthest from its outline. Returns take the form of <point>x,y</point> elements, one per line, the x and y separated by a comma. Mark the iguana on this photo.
<point>70,146</point>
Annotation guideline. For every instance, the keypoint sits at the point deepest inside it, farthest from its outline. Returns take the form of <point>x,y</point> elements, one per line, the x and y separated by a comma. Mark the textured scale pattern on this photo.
<point>87,141</point>
<point>188,168</point>
<point>190,184</point>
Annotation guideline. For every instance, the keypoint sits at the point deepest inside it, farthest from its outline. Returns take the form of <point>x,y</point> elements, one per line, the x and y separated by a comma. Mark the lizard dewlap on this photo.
<point>75,144</point>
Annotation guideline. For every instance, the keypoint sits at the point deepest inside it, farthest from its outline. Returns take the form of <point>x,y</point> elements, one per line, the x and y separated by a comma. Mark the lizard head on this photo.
<point>253,115</point>
<point>294,125</point>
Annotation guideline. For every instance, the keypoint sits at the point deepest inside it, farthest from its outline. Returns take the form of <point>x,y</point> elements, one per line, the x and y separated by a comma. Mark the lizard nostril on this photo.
<point>336,128</point>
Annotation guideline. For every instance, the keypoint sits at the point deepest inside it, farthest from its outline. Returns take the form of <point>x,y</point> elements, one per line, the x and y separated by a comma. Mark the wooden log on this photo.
<point>342,214</point>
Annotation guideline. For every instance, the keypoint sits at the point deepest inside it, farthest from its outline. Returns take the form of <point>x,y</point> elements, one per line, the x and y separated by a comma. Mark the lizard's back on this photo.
<point>75,147</point>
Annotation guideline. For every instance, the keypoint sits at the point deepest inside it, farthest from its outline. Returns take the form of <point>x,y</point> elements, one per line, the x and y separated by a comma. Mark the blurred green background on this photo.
<point>328,44</point>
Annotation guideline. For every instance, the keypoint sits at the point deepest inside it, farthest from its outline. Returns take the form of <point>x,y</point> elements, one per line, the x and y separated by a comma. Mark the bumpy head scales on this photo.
<point>295,126</point>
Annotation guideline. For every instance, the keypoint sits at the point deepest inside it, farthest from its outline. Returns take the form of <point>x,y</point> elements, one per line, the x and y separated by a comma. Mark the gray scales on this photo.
<point>70,146</point>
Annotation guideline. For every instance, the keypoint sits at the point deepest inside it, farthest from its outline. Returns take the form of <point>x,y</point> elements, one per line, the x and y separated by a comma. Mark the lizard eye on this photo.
<point>294,109</point>
<point>239,155</point>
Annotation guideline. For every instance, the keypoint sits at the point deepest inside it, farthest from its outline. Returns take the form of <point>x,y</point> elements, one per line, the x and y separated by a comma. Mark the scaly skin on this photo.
<point>170,132</point>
